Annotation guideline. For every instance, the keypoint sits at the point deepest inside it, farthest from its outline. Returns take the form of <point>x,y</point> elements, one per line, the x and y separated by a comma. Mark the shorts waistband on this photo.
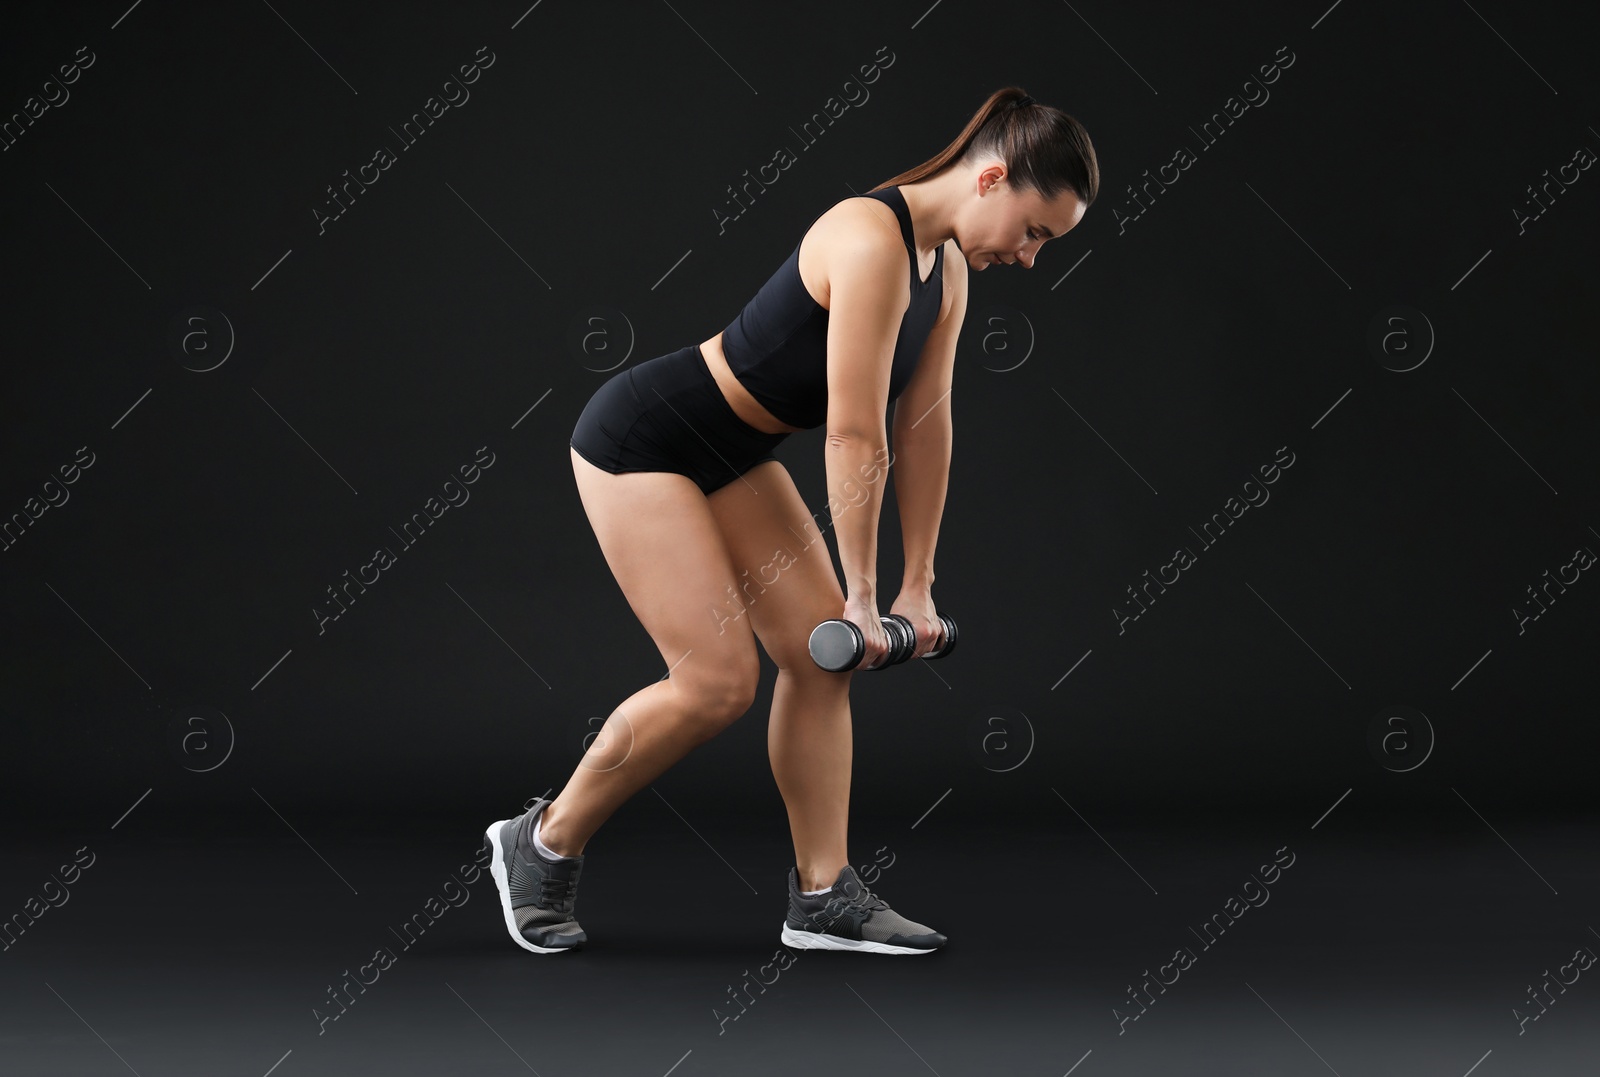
<point>711,380</point>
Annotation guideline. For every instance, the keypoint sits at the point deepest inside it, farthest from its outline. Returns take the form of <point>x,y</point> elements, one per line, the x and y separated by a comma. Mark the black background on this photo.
<point>1225,325</point>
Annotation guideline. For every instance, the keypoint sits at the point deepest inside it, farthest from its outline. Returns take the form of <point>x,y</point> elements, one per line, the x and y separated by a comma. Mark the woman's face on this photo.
<point>1005,225</point>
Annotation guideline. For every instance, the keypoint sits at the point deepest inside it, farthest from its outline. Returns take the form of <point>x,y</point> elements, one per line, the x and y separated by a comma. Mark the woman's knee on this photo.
<point>719,692</point>
<point>789,647</point>
<point>819,688</point>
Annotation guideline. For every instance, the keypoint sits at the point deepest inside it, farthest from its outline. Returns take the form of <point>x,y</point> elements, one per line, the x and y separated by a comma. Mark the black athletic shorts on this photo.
<point>669,414</point>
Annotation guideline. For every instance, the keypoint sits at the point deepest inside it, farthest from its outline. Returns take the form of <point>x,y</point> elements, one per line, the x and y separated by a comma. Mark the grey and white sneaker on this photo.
<point>852,917</point>
<point>537,895</point>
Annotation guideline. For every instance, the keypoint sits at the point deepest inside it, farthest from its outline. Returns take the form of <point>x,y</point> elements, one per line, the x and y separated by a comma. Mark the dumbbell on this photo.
<point>837,645</point>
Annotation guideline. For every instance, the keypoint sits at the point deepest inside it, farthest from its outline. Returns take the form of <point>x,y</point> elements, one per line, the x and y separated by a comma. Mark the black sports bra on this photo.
<point>778,345</point>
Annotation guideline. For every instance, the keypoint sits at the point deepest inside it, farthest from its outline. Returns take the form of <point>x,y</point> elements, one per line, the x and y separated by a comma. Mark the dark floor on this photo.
<point>1389,946</point>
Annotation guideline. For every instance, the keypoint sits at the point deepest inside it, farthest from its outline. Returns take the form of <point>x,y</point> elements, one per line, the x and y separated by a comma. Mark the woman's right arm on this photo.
<point>869,289</point>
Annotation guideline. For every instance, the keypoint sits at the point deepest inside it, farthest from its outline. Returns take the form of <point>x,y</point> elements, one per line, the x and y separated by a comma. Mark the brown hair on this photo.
<point>1043,148</point>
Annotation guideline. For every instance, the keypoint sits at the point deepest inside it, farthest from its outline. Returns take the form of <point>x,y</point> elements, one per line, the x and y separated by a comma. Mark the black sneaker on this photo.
<point>536,894</point>
<point>851,917</point>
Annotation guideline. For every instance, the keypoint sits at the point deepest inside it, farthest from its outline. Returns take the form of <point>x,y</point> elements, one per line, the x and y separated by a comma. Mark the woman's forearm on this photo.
<point>921,478</point>
<point>856,467</point>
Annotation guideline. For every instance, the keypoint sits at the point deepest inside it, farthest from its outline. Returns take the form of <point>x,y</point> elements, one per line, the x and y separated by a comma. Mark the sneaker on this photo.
<point>851,917</point>
<point>536,894</point>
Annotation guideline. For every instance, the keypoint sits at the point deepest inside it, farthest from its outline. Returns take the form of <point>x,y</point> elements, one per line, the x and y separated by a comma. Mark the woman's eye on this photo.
<point>1031,235</point>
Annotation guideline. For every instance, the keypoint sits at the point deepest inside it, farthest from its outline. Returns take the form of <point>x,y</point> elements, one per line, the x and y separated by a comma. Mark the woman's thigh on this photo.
<point>662,543</point>
<point>786,578</point>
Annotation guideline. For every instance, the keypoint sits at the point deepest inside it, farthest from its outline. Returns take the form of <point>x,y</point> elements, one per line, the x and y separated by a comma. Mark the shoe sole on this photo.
<point>497,869</point>
<point>812,940</point>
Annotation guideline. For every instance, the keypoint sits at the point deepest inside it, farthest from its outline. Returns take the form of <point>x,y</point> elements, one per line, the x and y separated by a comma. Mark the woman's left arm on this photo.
<point>921,440</point>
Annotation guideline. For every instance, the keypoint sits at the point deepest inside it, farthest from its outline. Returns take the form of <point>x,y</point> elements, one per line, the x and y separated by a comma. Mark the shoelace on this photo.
<point>557,893</point>
<point>837,905</point>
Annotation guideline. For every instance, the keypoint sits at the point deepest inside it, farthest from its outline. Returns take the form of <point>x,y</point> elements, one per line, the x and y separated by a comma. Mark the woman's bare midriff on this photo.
<point>739,399</point>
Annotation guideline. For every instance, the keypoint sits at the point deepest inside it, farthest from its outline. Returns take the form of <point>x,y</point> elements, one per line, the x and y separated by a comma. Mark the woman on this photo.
<point>713,546</point>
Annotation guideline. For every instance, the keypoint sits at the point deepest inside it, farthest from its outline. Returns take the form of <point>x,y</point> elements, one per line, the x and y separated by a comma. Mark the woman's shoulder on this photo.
<point>855,234</point>
<point>856,228</point>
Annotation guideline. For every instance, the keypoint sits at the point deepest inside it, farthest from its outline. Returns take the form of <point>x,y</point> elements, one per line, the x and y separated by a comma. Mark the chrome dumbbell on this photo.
<point>837,645</point>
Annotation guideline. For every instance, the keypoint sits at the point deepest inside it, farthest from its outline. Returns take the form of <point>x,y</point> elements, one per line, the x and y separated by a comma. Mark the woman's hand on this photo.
<point>916,605</point>
<point>863,614</point>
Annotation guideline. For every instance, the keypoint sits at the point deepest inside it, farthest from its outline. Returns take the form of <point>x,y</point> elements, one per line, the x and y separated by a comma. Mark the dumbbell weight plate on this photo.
<point>895,638</point>
<point>907,636</point>
<point>950,637</point>
<point>836,645</point>
<point>902,639</point>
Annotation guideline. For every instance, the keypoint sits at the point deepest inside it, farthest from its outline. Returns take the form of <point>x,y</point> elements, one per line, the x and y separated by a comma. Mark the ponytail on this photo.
<point>1043,148</point>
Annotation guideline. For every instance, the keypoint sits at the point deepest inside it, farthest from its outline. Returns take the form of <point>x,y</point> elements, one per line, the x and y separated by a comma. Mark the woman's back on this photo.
<point>776,347</point>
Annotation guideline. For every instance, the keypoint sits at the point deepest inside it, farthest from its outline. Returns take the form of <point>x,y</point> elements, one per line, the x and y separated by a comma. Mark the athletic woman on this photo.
<point>715,549</point>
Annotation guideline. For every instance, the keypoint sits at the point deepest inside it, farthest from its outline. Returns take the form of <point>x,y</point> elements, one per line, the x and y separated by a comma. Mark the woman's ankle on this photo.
<point>552,836</point>
<point>811,879</point>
